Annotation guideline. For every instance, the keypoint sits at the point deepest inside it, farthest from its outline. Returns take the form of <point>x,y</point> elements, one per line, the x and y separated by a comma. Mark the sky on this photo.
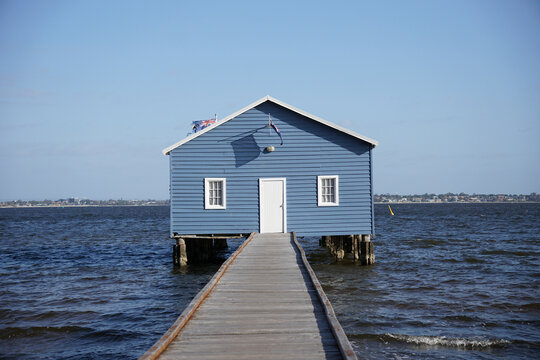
<point>92,91</point>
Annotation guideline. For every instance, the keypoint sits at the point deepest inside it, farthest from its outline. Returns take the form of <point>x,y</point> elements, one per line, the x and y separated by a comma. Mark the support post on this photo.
<point>354,247</point>
<point>357,254</point>
<point>340,252</point>
<point>367,256</point>
<point>326,241</point>
<point>175,255</point>
<point>360,247</point>
<point>179,253</point>
<point>182,253</point>
<point>348,244</point>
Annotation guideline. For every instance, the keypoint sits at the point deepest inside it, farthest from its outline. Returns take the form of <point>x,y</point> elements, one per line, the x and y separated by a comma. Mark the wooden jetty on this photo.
<point>265,302</point>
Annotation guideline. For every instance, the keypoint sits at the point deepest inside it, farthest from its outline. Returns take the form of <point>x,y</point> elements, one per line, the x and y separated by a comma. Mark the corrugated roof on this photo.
<point>276,101</point>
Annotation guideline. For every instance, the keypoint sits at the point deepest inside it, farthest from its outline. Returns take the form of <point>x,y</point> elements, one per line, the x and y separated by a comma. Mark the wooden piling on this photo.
<point>199,248</point>
<point>182,254</point>
<point>335,244</point>
<point>175,255</point>
<point>359,246</point>
<point>179,253</point>
<point>325,241</point>
<point>348,244</point>
<point>367,255</point>
<point>354,247</point>
<point>340,253</point>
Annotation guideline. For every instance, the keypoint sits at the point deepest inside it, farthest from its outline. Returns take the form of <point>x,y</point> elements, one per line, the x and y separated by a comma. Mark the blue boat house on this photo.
<point>271,167</point>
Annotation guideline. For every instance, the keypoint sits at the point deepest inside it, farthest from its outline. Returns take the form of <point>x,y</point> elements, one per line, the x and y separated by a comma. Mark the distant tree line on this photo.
<point>83,202</point>
<point>456,197</point>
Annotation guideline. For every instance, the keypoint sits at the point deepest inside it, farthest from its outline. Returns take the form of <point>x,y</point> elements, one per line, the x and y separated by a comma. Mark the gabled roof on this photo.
<point>276,101</point>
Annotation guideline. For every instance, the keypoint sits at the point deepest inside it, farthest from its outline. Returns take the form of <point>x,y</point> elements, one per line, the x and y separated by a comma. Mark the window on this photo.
<point>328,190</point>
<point>215,192</point>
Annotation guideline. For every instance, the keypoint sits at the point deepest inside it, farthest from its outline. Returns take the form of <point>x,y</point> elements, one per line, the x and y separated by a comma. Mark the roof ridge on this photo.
<point>167,150</point>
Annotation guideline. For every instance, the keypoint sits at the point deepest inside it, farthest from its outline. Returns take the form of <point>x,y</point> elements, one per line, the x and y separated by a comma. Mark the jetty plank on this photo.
<point>265,305</point>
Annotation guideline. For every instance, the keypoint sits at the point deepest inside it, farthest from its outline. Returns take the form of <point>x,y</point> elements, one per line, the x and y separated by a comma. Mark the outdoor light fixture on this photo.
<point>270,148</point>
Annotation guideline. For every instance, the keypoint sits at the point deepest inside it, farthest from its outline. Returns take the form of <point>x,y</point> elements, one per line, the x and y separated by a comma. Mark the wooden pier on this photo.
<point>265,302</point>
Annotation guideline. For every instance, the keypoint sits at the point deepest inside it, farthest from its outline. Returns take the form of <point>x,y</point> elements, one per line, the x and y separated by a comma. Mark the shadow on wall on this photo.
<point>245,150</point>
<point>314,128</point>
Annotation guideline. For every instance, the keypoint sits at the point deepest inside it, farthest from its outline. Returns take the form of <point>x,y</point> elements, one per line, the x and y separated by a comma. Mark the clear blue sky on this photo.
<point>92,91</point>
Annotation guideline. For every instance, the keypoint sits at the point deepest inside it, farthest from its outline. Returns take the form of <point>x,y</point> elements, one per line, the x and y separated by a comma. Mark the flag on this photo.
<point>201,124</point>
<point>276,130</point>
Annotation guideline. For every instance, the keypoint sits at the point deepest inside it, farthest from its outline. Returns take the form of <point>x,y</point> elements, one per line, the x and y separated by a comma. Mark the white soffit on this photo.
<point>276,101</point>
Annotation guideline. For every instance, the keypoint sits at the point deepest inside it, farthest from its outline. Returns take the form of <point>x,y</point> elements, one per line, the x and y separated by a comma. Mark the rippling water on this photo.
<point>89,283</point>
<point>451,281</point>
<point>456,281</point>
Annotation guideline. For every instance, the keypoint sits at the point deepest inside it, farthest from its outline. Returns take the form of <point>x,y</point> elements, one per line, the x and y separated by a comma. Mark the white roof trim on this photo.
<point>257,103</point>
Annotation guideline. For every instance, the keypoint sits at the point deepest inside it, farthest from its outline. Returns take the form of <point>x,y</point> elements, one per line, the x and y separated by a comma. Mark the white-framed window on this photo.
<point>215,193</point>
<point>328,190</point>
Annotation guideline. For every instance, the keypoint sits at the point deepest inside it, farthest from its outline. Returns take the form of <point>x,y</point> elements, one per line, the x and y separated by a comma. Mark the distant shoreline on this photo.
<point>376,203</point>
<point>76,206</point>
<point>457,202</point>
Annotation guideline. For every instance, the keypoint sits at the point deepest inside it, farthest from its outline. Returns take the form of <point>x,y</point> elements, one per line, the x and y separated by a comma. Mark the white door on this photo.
<point>272,205</point>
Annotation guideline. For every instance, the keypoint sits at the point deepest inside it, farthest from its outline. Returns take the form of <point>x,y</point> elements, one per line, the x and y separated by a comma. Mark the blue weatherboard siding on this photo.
<point>235,150</point>
<point>372,204</point>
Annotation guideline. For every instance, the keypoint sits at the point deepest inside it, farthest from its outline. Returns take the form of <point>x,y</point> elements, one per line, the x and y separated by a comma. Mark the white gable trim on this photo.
<point>276,101</point>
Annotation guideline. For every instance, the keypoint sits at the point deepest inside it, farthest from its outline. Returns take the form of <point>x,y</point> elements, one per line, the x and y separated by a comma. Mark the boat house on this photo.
<point>271,167</point>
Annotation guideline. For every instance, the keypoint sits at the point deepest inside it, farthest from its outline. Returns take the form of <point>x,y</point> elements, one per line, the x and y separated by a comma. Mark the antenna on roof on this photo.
<point>268,125</point>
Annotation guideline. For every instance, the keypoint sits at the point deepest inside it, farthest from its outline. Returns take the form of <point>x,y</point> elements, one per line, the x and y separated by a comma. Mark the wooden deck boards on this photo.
<point>264,306</point>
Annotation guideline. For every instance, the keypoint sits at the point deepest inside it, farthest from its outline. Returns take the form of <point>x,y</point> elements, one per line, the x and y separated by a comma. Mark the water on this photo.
<point>89,283</point>
<point>450,281</point>
<point>456,281</point>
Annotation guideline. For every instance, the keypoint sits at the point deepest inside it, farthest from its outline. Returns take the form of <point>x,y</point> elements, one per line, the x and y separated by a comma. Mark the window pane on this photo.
<point>215,193</point>
<point>328,190</point>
